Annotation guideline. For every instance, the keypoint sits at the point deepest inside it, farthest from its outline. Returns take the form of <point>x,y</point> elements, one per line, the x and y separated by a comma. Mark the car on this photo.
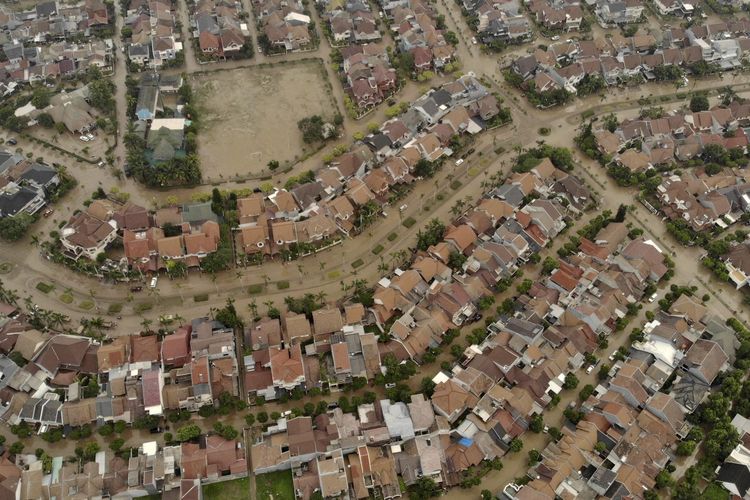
<point>555,38</point>
<point>589,369</point>
<point>101,164</point>
<point>473,40</point>
<point>136,289</point>
<point>403,207</point>
<point>390,386</point>
<point>84,138</point>
<point>154,281</point>
<point>653,297</point>
<point>546,429</point>
<point>156,430</point>
<point>612,356</point>
<point>12,141</point>
<point>470,151</point>
<point>333,405</point>
<point>90,136</point>
<point>385,214</point>
<point>459,161</point>
<point>48,212</point>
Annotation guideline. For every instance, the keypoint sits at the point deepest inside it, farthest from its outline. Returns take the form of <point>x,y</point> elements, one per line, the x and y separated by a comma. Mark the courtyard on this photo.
<point>250,115</point>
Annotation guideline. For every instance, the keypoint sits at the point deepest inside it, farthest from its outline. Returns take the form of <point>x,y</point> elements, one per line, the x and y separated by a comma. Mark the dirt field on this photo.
<point>250,117</point>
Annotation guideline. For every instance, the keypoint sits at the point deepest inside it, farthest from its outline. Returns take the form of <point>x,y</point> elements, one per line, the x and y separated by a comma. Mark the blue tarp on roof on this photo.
<point>465,442</point>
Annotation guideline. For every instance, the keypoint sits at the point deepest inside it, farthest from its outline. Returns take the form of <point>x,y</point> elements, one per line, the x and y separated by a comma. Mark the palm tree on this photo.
<point>34,240</point>
<point>253,306</point>
<point>269,305</point>
<point>321,297</point>
<point>178,319</point>
<point>146,324</point>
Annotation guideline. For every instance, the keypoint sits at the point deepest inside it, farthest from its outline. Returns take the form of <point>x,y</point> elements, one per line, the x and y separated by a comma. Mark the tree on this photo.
<point>14,228</point>
<point>427,387</point>
<point>262,417</point>
<point>432,235</point>
<point>549,265</point>
<point>273,164</point>
<point>537,423</point>
<point>571,381</point>
<point>188,432</point>
<point>686,448</point>
<point>587,391</point>
<point>603,372</point>
<point>40,97</point>
<point>90,450</point>
<point>515,445</point>
<point>16,448</point>
<point>46,120</point>
<point>118,443</point>
<point>311,128</point>
<point>423,489</point>
<point>250,419</point>
<point>699,103</point>
<point>486,495</point>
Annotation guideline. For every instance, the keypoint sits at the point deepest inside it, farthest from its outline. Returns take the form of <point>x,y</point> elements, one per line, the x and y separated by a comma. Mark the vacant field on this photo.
<point>250,116</point>
<point>226,490</point>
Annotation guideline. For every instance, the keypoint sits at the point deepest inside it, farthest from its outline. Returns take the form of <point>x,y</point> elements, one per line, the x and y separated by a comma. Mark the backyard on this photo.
<point>274,486</point>
<point>246,126</point>
<point>226,490</point>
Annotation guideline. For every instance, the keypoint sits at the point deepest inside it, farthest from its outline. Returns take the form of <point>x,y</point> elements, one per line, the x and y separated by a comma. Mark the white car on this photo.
<point>555,38</point>
<point>154,280</point>
<point>90,136</point>
<point>473,40</point>
<point>403,207</point>
<point>653,297</point>
<point>459,161</point>
<point>390,386</point>
<point>612,356</point>
<point>84,138</point>
<point>589,369</point>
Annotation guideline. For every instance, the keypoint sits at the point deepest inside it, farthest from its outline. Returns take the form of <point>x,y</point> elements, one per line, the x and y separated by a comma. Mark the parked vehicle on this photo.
<point>154,281</point>
<point>136,288</point>
<point>459,161</point>
<point>12,141</point>
<point>653,297</point>
<point>589,369</point>
<point>48,212</point>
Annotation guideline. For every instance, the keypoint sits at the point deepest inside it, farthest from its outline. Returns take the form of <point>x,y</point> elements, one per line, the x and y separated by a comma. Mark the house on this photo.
<point>86,236</point>
<point>704,360</point>
<point>451,400</point>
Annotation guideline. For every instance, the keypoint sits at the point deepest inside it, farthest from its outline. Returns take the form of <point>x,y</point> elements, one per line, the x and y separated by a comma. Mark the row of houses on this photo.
<point>177,471</point>
<point>618,59</point>
<point>363,177</point>
<point>370,79</point>
<point>350,23</point>
<point>638,426</point>
<point>498,22</point>
<point>490,395</point>
<point>37,43</point>
<point>70,380</point>
<point>414,26</point>
<point>218,27</point>
<point>25,186</point>
<point>154,40</point>
<point>286,25</point>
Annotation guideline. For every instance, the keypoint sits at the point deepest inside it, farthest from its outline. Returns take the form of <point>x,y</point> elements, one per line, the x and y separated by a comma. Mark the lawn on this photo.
<point>409,222</point>
<point>225,490</point>
<point>392,236</point>
<point>201,297</point>
<point>282,285</point>
<point>142,307</point>
<point>86,305</point>
<point>357,263</point>
<point>114,308</point>
<point>66,298</point>
<point>44,287</point>
<point>255,288</point>
<point>279,484</point>
<point>377,249</point>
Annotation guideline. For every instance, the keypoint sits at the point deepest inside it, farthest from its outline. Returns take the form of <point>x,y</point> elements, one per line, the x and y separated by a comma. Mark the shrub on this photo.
<point>44,287</point>
<point>377,249</point>
<point>203,297</point>
<point>408,222</point>
<point>114,308</point>
<point>455,185</point>
<point>282,285</point>
<point>392,236</point>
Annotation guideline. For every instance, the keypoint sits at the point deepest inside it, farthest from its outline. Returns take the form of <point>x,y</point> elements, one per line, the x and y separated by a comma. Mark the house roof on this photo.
<point>707,357</point>
<point>327,320</point>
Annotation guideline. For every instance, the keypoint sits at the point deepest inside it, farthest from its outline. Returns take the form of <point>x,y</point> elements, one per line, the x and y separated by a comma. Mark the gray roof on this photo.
<point>198,213</point>
<point>509,193</point>
<point>397,419</point>
<point>39,174</point>
<point>11,204</point>
<point>441,97</point>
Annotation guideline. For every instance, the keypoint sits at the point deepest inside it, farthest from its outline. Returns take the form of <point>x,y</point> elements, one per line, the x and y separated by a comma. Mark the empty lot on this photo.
<point>249,116</point>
